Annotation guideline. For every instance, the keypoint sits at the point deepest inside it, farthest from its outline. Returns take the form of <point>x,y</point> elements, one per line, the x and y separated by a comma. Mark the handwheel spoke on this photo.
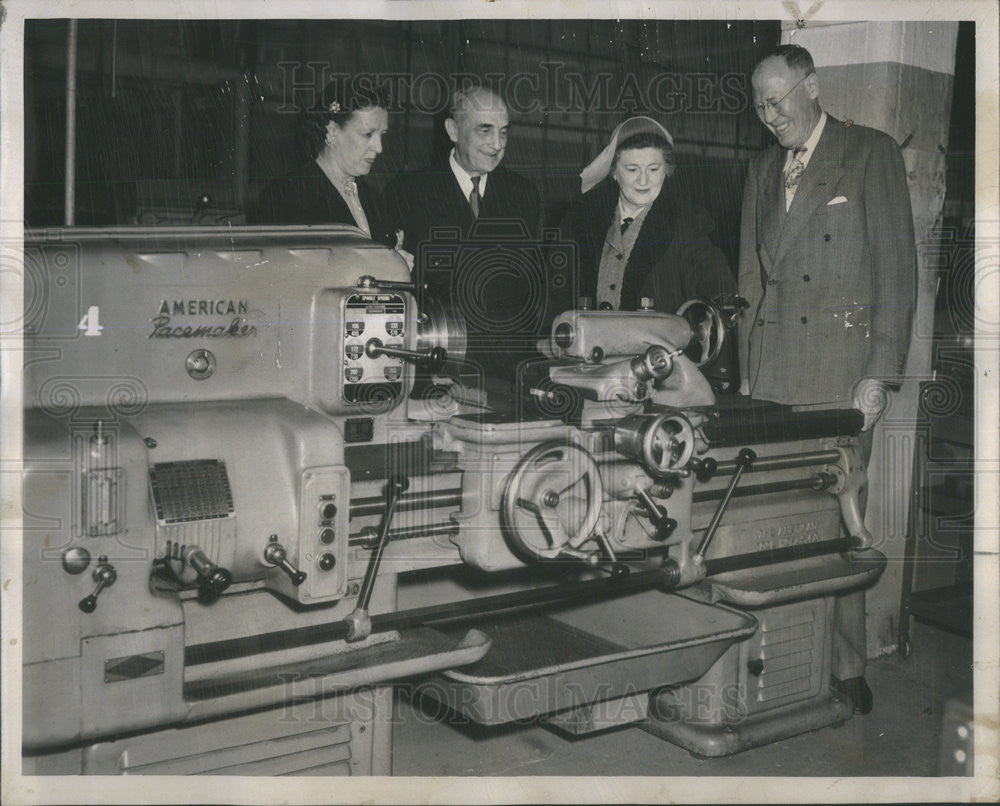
<point>561,520</point>
<point>573,484</point>
<point>553,527</point>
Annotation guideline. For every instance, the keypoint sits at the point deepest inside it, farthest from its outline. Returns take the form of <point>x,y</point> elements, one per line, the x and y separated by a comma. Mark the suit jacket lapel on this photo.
<point>771,210</point>
<point>825,167</point>
<point>653,238</point>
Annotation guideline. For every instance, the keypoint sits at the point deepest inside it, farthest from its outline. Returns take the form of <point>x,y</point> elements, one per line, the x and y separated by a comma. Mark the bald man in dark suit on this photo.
<point>446,199</point>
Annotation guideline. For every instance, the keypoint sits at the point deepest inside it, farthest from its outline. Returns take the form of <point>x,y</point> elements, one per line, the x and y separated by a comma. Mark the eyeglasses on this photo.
<point>762,107</point>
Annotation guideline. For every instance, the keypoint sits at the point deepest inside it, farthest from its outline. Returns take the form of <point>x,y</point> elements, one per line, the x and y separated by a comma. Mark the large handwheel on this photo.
<point>663,443</point>
<point>669,445</point>
<point>552,499</point>
<point>708,330</point>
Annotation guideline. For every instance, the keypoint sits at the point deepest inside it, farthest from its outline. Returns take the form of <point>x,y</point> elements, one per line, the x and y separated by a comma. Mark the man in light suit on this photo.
<point>827,253</point>
<point>828,265</point>
<point>445,199</point>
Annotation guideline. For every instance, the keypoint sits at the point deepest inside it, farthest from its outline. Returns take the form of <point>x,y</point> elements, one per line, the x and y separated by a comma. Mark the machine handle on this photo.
<point>745,458</point>
<point>704,469</point>
<point>275,554</point>
<point>433,358</point>
<point>658,515</point>
<point>212,579</point>
<point>105,576</point>
<point>366,281</point>
<point>358,622</point>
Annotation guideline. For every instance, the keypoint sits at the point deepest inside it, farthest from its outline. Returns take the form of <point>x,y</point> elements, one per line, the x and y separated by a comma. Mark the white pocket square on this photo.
<point>838,200</point>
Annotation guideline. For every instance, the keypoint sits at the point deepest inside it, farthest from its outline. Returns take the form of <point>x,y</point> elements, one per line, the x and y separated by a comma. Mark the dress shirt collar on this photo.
<point>636,214</point>
<point>464,180</point>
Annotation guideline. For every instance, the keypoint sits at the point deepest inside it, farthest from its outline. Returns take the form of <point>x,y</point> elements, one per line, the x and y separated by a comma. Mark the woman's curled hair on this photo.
<point>340,99</point>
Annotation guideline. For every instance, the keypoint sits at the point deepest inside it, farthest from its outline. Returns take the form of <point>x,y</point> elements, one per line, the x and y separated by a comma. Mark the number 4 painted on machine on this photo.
<point>91,322</point>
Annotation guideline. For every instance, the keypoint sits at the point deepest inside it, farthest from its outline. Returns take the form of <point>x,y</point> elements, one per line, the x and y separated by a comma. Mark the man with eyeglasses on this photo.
<point>827,253</point>
<point>828,265</point>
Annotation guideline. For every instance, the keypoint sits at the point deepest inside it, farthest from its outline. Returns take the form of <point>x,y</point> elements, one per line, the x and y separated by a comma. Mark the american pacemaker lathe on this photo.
<point>243,527</point>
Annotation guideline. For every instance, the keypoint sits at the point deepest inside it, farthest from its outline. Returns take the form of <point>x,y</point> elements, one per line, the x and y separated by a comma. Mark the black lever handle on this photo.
<point>704,469</point>
<point>212,579</point>
<point>275,554</point>
<point>658,515</point>
<point>105,576</point>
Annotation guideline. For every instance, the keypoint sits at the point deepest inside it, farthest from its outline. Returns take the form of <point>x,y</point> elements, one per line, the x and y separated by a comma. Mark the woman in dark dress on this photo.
<point>344,133</point>
<point>636,235</point>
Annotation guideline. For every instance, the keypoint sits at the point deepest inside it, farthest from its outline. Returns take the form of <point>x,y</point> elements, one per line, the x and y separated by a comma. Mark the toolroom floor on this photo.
<point>900,737</point>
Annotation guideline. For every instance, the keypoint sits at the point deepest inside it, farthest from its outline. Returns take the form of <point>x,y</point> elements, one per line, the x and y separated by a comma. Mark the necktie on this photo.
<point>474,197</point>
<point>795,169</point>
<point>625,222</point>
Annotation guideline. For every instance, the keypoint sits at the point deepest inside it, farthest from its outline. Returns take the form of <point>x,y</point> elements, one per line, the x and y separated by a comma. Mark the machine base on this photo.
<point>716,740</point>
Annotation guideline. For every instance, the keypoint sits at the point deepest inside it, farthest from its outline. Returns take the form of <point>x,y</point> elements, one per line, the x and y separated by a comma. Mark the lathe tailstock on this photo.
<point>244,523</point>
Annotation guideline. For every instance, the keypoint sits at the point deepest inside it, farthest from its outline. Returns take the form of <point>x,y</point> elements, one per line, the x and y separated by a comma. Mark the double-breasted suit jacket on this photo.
<point>831,283</point>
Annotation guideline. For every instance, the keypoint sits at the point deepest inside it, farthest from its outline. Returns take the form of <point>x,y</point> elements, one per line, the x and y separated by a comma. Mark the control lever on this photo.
<point>366,281</point>
<point>704,469</point>
<point>276,554</point>
<point>744,459</point>
<point>212,579</point>
<point>658,515</point>
<point>618,568</point>
<point>433,358</point>
<point>105,576</point>
<point>359,623</point>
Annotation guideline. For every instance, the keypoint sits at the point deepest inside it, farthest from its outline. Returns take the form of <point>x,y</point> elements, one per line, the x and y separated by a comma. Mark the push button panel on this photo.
<point>323,532</point>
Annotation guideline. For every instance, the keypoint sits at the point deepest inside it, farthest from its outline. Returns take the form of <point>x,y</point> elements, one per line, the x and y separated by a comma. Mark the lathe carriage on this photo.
<point>258,494</point>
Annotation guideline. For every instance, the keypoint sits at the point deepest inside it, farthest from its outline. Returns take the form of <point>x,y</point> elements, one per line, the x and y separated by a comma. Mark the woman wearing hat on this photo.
<point>636,237</point>
<point>344,135</point>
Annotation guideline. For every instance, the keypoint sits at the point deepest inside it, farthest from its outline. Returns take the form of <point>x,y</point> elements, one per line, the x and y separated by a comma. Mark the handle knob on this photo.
<point>212,579</point>
<point>664,524</point>
<point>704,469</point>
<point>275,554</point>
<point>105,576</point>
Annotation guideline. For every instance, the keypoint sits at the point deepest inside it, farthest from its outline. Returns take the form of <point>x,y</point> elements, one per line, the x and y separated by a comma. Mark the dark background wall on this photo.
<point>171,110</point>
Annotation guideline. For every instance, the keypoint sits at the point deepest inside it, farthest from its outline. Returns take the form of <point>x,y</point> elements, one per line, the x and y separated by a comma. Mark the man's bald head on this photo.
<point>474,99</point>
<point>477,125</point>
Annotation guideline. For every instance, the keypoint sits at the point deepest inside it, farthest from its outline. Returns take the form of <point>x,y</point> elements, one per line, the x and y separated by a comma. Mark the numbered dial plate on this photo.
<point>373,316</point>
